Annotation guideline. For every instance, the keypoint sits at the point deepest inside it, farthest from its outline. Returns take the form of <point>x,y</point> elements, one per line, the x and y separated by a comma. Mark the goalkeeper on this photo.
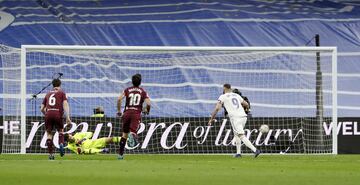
<point>246,109</point>
<point>81,143</point>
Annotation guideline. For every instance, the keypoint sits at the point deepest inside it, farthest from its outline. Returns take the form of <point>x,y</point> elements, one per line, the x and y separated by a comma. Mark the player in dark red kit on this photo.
<point>53,107</point>
<point>135,97</point>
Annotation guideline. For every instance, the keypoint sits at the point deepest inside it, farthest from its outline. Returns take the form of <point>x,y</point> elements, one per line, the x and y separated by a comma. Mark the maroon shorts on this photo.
<point>131,121</point>
<point>53,119</point>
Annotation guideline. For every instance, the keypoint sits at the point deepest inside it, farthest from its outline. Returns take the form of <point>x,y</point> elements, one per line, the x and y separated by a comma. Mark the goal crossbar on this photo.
<point>178,48</point>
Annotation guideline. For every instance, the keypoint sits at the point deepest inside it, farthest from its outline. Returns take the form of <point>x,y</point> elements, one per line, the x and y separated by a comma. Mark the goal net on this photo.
<point>287,89</point>
<point>10,131</point>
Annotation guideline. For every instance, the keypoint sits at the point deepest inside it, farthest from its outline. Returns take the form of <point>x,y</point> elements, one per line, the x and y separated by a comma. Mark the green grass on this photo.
<point>179,169</point>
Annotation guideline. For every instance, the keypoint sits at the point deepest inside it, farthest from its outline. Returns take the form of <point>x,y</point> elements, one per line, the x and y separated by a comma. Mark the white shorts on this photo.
<point>238,125</point>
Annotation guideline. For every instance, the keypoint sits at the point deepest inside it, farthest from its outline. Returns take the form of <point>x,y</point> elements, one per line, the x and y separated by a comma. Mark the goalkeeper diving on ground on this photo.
<point>81,143</point>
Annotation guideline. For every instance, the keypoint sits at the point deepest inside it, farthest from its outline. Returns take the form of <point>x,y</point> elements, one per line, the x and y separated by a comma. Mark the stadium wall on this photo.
<point>193,23</point>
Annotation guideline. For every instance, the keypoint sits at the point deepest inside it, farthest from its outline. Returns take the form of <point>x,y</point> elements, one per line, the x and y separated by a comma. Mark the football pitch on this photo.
<point>180,169</point>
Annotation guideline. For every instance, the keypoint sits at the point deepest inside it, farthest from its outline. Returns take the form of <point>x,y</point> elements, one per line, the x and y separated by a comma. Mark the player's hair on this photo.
<point>236,91</point>
<point>136,80</point>
<point>66,137</point>
<point>227,86</point>
<point>99,110</point>
<point>56,83</point>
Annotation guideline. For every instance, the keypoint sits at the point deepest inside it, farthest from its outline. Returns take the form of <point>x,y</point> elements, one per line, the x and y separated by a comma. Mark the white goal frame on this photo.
<point>25,48</point>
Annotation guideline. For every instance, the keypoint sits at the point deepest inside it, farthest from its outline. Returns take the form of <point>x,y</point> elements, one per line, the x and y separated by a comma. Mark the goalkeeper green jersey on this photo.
<point>85,145</point>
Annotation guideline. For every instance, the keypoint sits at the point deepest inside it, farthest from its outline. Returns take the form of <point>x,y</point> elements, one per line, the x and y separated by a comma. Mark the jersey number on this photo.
<point>235,102</point>
<point>52,100</point>
<point>134,99</point>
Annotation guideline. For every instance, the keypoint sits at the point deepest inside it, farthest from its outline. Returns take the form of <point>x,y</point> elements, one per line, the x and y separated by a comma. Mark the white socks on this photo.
<point>247,143</point>
<point>238,144</point>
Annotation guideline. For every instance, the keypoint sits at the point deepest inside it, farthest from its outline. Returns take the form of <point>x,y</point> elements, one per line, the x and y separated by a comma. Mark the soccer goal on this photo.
<point>291,89</point>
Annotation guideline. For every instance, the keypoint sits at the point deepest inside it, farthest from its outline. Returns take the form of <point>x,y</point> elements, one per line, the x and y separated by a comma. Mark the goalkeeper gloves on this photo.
<point>79,151</point>
<point>78,143</point>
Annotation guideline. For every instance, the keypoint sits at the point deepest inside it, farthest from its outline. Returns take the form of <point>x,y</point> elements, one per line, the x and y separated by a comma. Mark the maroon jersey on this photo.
<point>135,97</point>
<point>54,100</point>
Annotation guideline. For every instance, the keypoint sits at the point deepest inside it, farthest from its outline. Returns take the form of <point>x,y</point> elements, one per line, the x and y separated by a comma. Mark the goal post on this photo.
<point>184,83</point>
<point>335,102</point>
<point>23,99</point>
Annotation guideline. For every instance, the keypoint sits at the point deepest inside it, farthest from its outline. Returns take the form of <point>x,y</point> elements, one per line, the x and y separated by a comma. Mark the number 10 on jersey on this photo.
<point>134,99</point>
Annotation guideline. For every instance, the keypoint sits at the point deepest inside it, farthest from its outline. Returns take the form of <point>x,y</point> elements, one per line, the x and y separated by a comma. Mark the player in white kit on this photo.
<point>235,104</point>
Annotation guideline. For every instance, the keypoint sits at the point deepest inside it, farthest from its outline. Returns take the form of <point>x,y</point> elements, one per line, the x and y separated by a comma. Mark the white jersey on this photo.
<point>232,103</point>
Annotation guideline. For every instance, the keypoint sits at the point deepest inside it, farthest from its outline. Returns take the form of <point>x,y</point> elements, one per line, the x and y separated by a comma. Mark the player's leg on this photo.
<point>50,144</point>
<point>60,128</point>
<point>238,146</point>
<point>237,138</point>
<point>247,142</point>
<point>94,146</point>
<point>102,142</point>
<point>61,142</point>
<point>99,143</point>
<point>257,152</point>
<point>126,120</point>
<point>92,151</point>
<point>123,143</point>
<point>238,128</point>
<point>49,140</point>
<point>110,140</point>
<point>134,125</point>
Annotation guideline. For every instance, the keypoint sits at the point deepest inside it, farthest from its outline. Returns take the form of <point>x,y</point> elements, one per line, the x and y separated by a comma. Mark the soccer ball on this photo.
<point>264,129</point>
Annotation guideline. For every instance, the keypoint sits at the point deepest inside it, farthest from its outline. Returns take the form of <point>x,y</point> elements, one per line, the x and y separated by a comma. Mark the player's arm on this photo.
<point>216,110</point>
<point>43,108</point>
<point>148,106</point>
<point>248,106</point>
<point>81,137</point>
<point>67,111</point>
<point>225,112</point>
<point>119,102</point>
<point>245,104</point>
